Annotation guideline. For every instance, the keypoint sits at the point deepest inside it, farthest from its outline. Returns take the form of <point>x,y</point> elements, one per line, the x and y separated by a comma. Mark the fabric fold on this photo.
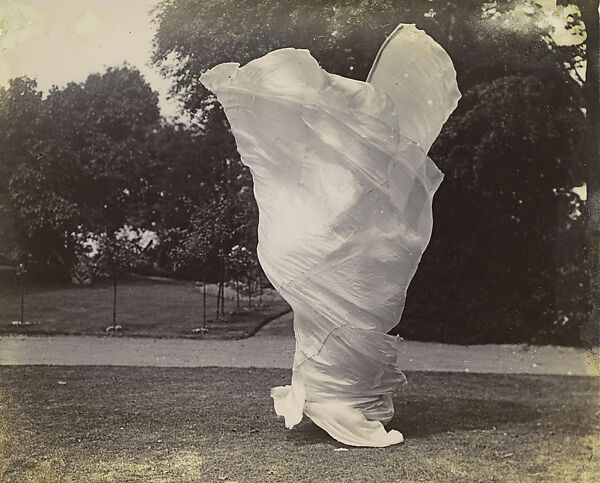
<point>344,189</point>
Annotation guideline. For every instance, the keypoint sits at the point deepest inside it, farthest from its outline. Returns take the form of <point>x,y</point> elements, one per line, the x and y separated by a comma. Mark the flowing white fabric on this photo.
<point>344,189</point>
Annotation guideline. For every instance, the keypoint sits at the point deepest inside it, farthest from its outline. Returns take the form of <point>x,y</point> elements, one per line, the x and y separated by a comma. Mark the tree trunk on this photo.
<point>223,275</point>
<point>218,300</point>
<point>114,303</point>
<point>204,302</point>
<point>259,291</point>
<point>220,295</point>
<point>589,15</point>
<point>22,301</point>
<point>249,291</point>
<point>223,300</point>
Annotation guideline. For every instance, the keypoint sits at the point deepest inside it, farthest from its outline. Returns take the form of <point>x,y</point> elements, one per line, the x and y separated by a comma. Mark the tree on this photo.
<point>20,106</point>
<point>202,245</point>
<point>508,231</point>
<point>117,252</point>
<point>588,50</point>
<point>492,156</point>
<point>105,124</point>
<point>75,161</point>
<point>243,268</point>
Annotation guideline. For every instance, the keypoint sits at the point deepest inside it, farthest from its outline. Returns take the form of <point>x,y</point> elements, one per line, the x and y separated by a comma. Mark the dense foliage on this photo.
<point>507,244</point>
<point>507,260</point>
<point>76,163</point>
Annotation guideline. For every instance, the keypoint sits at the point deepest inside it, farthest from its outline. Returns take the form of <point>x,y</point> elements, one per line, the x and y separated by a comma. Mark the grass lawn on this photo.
<point>214,424</point>
<point>145,308</point>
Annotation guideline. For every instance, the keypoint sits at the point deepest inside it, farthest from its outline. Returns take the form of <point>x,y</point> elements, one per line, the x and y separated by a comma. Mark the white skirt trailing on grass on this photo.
<point>344,189</point>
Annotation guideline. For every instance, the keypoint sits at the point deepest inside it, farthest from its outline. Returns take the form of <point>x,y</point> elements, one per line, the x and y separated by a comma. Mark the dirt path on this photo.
<point>274,347</point>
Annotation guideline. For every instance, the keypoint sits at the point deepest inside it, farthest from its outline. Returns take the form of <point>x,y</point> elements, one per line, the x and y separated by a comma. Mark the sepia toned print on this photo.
<point>204,200</point>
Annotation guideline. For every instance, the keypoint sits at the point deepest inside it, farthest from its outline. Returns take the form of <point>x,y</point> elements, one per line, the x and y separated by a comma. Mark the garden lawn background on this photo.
<point>210,424</point>
<point>145,308</point>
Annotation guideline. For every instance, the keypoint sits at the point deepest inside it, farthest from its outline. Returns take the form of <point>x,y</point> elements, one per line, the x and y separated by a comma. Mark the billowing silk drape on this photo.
<point>344,189</point>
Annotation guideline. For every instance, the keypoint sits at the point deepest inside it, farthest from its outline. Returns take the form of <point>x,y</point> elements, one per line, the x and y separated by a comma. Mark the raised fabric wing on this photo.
<point>417,74</point>
<point>344,199</point>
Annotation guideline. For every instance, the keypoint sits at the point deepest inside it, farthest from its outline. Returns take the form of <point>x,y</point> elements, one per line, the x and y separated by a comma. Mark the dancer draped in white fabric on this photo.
<point>344,189</point>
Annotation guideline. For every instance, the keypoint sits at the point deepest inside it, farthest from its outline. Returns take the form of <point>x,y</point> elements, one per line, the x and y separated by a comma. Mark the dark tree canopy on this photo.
<point>343,36</point>
<point>507,233</point>
<point>506,221</point>
<point>75,161</point>
<point>506,259</point>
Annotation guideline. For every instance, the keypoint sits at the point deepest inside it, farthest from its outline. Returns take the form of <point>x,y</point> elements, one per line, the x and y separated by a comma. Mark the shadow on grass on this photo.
<point>421,417</point>
<point>424,416</point>
<point>438,403</point>
<point>307,433</point>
